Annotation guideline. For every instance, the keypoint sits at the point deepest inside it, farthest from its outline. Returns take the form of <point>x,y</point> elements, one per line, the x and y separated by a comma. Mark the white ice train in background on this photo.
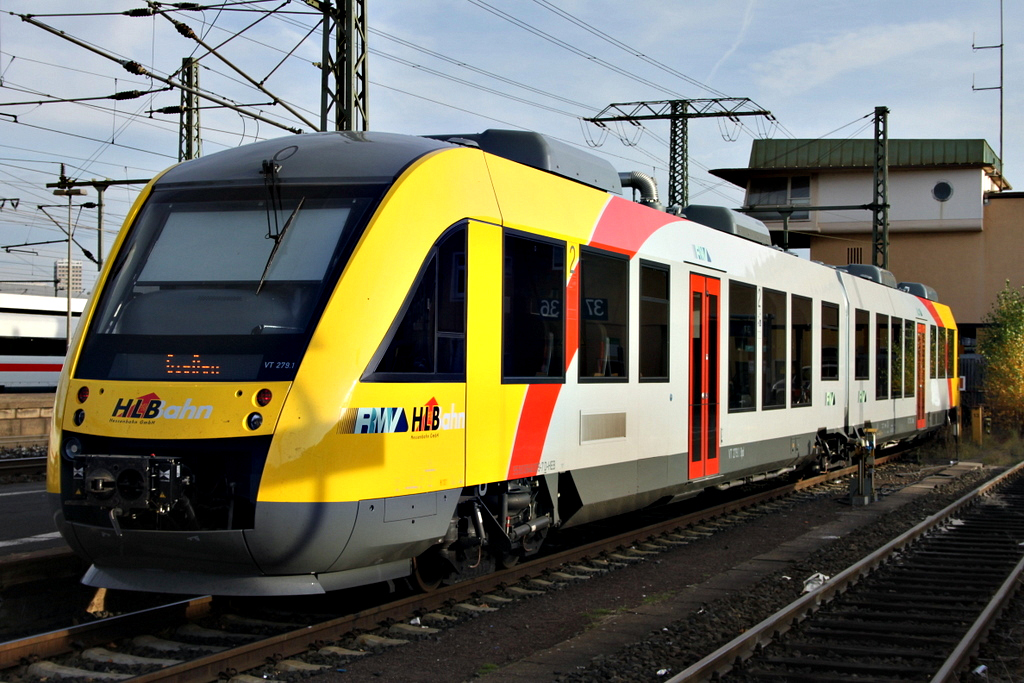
<point>33,340</point>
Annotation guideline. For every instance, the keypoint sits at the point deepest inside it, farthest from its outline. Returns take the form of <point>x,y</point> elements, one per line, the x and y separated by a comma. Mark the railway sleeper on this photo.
<point>841,666</point>
<point>846,650</point>
<point>944,582</point>
<point>909,609</point>
<point>891,617</point>
<point>858,631</point>
<point>929,591</point>
<point>962,573</point>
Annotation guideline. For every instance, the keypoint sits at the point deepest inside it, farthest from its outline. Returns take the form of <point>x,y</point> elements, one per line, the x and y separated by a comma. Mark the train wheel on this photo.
<point>507,560</point>
<point>428,571</point>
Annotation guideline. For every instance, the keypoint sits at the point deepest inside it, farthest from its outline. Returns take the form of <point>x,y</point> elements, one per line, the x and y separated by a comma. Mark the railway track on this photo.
<point>915,609</point>
<point>16,466</point>
<point>67,647</point>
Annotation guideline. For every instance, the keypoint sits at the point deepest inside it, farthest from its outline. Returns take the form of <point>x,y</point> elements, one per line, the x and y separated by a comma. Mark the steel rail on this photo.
<point>980,627</point>
<point>22,465</point>
<point>722,660</point>
<point>99,632</point>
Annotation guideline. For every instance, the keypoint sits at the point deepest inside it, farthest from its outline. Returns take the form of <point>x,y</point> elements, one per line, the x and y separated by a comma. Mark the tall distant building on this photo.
<point>60,275</point>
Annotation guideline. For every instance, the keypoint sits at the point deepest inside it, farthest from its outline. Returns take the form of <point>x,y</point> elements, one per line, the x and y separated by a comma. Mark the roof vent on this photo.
<point>873,273</point>
<point>727,220</point>
<point>921,290</point>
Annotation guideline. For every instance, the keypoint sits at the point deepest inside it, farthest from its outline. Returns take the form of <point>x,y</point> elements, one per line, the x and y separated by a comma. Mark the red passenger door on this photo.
<point>703,389</point>
<point>922,368</point>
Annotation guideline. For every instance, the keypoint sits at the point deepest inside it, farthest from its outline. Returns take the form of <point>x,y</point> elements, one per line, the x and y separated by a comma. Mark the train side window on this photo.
<point>951,368</point>
<point>933,349</point>
<point>881,356</point>
<point>428,341</point>
<point>775,387</point>
<point>654,330</point>
<point>944,335</point>
<point>909,352</point>
<point>533,310</point>
<point>861,345</point>
<point>604,316</point>
<point>829,341</point>
<point>800,358</point>
<point>742,346</point>
<point>896,359</point>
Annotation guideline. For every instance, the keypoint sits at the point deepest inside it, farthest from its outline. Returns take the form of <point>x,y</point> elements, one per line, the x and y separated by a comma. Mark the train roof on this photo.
<point>316,157</point>
<point>381,157</point>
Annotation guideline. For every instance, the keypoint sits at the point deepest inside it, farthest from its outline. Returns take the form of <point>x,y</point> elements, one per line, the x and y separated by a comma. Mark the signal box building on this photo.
<point>953,223</point>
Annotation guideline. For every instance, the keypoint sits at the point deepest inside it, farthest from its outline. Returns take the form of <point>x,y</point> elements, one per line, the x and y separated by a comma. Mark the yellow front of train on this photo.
<point>195,441</point>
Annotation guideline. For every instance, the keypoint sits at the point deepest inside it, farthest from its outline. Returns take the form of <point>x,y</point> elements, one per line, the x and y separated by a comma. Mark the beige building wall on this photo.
<point>967,269</point>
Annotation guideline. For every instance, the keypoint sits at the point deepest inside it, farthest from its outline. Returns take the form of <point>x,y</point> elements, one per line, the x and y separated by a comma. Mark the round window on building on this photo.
<point>942,191</point>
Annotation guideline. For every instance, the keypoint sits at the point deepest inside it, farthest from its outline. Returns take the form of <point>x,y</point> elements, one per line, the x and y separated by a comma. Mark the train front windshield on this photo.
<point>220,286</point>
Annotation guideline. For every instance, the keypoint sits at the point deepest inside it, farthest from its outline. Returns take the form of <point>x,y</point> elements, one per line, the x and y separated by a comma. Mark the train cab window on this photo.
<point>773,355</point>
<point>533,305</point>
<point>742,346</point>
<point>861,345</point>
<point>604,316</point>
<point>908,358</point>
<point>881,357</point>
<point>896,359</point>
<point>800,375</point>
<point>654,330</point>
<point>428,340</point>
<point>829,341</point>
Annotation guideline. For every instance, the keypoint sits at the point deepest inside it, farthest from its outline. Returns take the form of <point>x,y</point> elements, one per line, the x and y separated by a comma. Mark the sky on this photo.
<point>462,66</point>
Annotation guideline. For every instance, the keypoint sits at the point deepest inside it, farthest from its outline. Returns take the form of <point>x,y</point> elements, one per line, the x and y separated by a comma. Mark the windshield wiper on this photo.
<point>278,238</point>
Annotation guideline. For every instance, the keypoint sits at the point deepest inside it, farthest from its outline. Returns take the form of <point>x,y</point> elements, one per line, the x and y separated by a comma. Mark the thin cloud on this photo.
<point>740,37</point>
<point>800,68</point>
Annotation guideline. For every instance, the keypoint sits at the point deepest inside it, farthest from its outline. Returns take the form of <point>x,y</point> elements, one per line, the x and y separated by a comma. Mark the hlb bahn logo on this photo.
<point>426,418</point>
<point>152,407</point>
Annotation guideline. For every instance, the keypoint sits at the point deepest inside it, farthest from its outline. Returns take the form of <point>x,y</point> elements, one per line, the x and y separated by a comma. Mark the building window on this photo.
<point>829,341</point>
<point>942,191</point>
<point>882,356</point>
<point>742,346</point>
<point>533,310</point>
<point>604,315</point>
<point>654,310</point>
<point>778,192</point>
<point>803,344</point>
<point>773,343</point>
<point>428,342</point>
<point>861,345</point>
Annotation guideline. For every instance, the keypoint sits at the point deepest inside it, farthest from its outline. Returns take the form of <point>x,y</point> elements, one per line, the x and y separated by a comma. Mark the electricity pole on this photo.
<point>679,112</point>
<point>190,142</point>
<point>880,201</point>
<point>344,88</point>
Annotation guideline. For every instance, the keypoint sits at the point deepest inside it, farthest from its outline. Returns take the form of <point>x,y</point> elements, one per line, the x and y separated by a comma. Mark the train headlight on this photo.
<point>79,417</point>
<point>83,394</point>
<point>263,397</point>
<point>254,421</point>
<point>72,448</point>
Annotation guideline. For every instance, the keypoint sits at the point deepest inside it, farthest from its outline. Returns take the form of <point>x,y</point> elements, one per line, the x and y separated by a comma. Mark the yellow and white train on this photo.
<point>333,359</point>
